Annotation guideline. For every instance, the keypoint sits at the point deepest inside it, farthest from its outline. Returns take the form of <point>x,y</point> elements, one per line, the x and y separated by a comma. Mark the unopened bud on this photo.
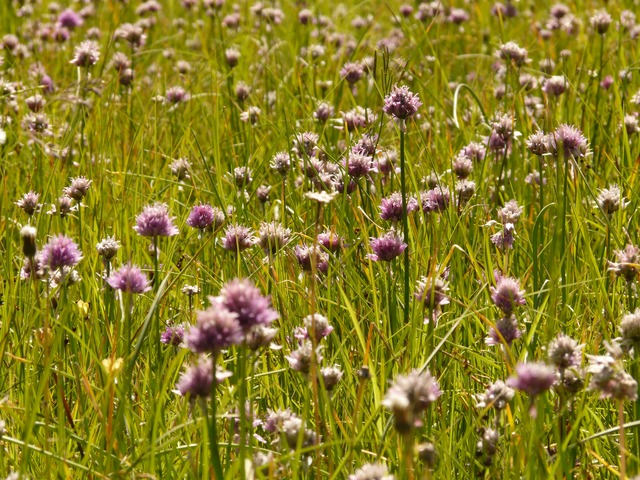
<point>28,234</point>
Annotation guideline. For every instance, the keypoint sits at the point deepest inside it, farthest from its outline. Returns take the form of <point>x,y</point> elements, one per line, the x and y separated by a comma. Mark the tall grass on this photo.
<point>70,409</point>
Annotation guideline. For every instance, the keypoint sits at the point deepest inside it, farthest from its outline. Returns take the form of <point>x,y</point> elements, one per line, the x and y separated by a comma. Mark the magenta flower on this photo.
<point>205,217</point>
<point>507,294</point>
<point>173,335</point>
<point>154,221</point>
<point>216,328</point>
<point>391,207</point>
<point>401,103</point>
<point>246,301</point>
<point>60,252</point>
<point>129,279</point>
<point>387,247</point>
<point>533,378</point>
<point>69,19</point>
<point>197,380</point>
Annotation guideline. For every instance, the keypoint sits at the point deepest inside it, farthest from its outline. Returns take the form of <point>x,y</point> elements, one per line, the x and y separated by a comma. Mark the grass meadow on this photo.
<point>360,240</point>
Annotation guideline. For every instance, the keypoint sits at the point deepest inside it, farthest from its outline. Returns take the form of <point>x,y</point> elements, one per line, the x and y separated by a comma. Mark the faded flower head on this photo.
<point>409,396</point>
<point>555,85</point>
<point>154,221</point>
<point>600,21</point>
<point>60,252</point>
<point>372,471</point>
<point>86,54</point>
<point>498,395</point>
<point>180,168</point>
<point>630,329</point>
<point>281,163</point>
<point>273,237</point>
<point>331,376</point>
<point>387,247</point>
<point>512,52</point>
<point>29,203</point>
<point>510,213</point>
<point>107,248</point>
<point>432,291</point>
<point>401,103</point>
<point>609,199</point>
<point>129,279</point>
<point>609,378</point>
<point>352,71</point>
<point>238,238</point>
<point>564,352</point>
<point>533,378</point>
<point>78,188</point>
<point>330,240</point>
<point>28,234</point>
<point>300,360</point>
<point>316,327</point>
<point>359,165</point>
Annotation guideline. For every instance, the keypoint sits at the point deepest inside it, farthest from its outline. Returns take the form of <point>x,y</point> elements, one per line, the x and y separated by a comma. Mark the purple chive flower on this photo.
<point>352,71</point>
<point>316,327</point>
<point>330,240</point>
<point>609,378</point>
<point>628,263</point>
<point>401,103</point>
<point>512,52</point>
<point>505,331</point>
<point>173,335</point>
<point>78,188</point>
<point>498,395</point>
<point>300,359</point>
<point>391,207</point>
<point>387,247</point>
<point>533,378</point>
<point>245,300</point>
<point>130,279</point>
<point>505,238</point>
<point>506,295</point>
<point>154,221</point>
<point>60,252</point>
<point>273,237</point>
<point>306,254</point>
<point>432,292</point>
<point>86,54</point>
<point>564,352</point>
<point>609,199</point>
<point>435,200</point>
<point>216,328</point>
<point>510,213</point>
<point>359,165</point>
<point>205,217</point>
<point>570,141</point>
<point>29,203</point>
<point>176,94</point>
<point>69,19</point>
<point>197,380</point>
<point>409,396</point>
<point>238,238</point>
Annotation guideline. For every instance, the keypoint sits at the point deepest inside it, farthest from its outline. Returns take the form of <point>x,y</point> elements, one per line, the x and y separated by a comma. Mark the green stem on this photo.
<point>213,428</point>
<point>405,225</point>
